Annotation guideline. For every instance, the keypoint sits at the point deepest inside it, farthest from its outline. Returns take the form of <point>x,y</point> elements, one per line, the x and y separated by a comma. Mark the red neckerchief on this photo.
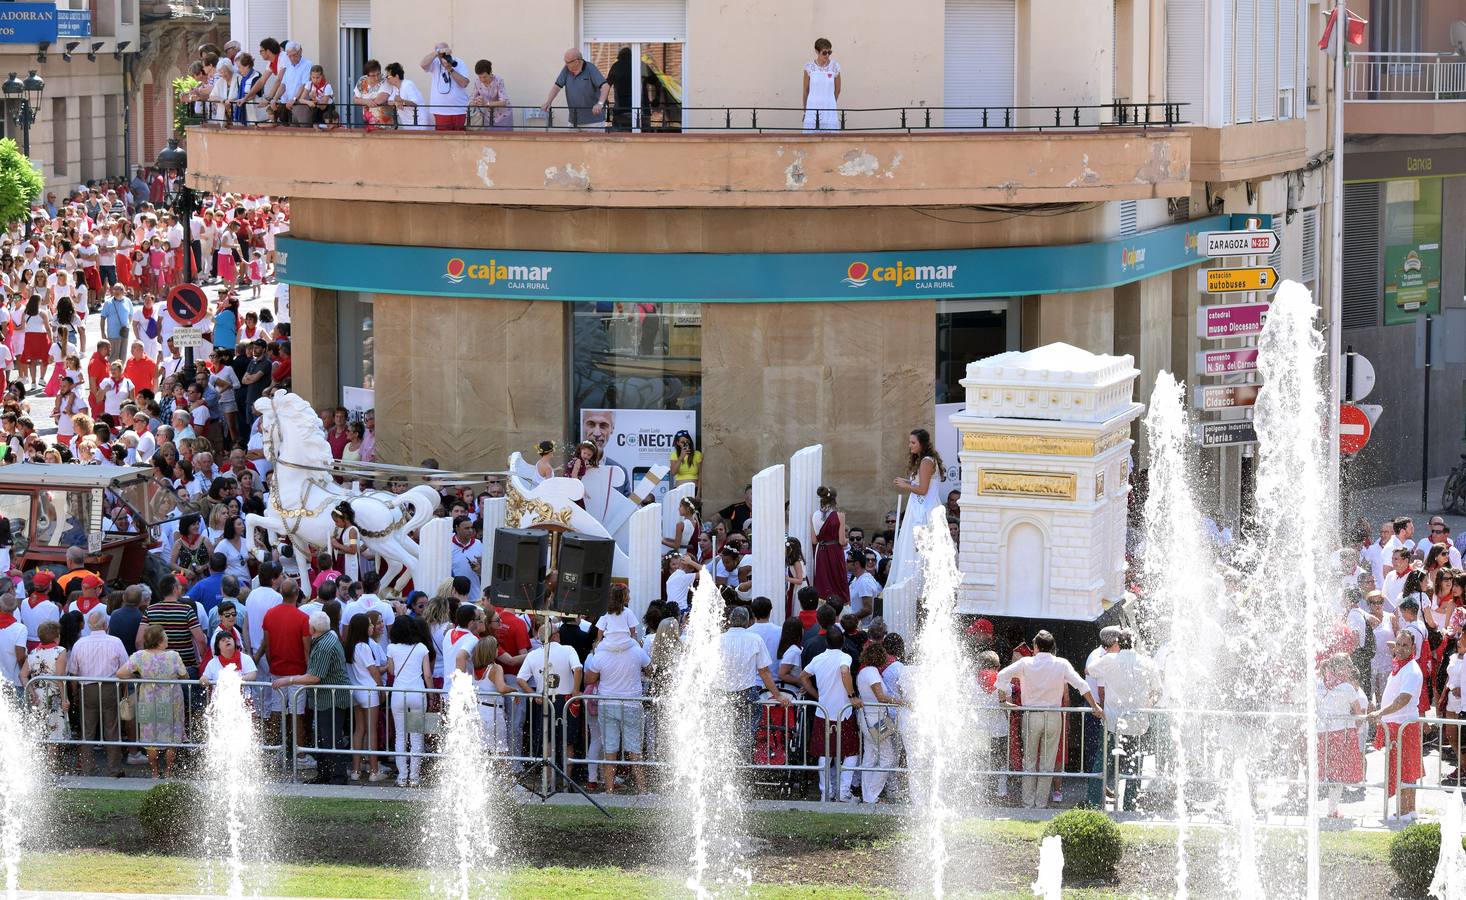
<point>48,646</point>
<point>454,635</point>
<point>227,661</point>
<point>462,546</point>
<point>6,620</point>
<point>37,599</point>
<point>85,605</point>
<point>1398,664</point>
<point>478,674</point>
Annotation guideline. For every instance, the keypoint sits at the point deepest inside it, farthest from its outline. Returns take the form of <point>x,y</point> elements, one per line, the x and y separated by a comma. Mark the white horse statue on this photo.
<point>304,493</point>
<point>555,501</point>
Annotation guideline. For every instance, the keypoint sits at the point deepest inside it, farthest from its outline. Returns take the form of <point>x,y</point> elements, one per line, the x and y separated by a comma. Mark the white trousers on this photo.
<point>1042,732</point>
<point>407,766</point>
<point>876,753</point>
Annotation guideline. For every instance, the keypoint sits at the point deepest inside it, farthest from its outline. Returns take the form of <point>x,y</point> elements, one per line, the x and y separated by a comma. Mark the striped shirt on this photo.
<point>328,663</point>
<point>97,655</point>
<point>178,618</point>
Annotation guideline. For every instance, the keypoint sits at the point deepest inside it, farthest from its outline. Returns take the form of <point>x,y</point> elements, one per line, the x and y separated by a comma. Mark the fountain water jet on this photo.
<point>1449,882</point>
<point>699,726</point>
<point>467,791</point>
<point>18,783</point>
<point>943,722</point>
<point>1050,883</point>
<point>234,777</point>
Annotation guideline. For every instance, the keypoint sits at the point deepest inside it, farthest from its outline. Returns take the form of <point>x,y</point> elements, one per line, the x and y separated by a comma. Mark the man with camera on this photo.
<point>449,98</point>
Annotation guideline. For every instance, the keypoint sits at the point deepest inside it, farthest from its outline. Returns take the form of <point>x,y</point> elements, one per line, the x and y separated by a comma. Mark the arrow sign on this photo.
<point>1232,281</point>
<point>1226,362</point>
<point>1239,243</point>
<point>1226,396</point>
<point>1354,428</point>
<point>1236,320</point>
<point>1219,434</point>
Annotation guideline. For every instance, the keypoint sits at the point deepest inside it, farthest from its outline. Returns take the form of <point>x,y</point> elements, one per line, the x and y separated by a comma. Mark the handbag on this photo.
<point>420,721</point>
<point>126,709</point>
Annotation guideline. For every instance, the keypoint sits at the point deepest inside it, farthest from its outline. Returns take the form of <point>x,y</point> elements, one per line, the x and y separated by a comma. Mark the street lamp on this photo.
<point>28,93</point>
<point>173,160</point>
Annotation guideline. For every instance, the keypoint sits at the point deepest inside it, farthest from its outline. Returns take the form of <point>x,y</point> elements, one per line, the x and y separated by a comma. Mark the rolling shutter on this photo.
<point>261,19</point>
<point>1363,294</point>
<point>1229,69</point>
<point>1245,38</point>
<point>1290,17</point>
<point>625,21</point>
<point>979,59</point>
<point>1268,38</point>
<point>354,13</point>
<point>1186,57</point>
<point>1308,273</point>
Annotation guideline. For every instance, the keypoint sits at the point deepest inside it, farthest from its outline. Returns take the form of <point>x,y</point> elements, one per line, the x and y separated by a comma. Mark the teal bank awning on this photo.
<point>741,277</point>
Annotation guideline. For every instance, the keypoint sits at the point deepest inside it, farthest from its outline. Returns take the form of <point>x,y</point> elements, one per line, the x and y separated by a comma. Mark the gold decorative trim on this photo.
<point>1042,444</point>
<point>1042,485</point>
<point>517,506</point>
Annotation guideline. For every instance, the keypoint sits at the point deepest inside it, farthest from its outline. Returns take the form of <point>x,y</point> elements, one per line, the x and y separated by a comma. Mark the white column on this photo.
<point>494,509</point>
<point>806,470</point>
<point>670,504</point>
<point>898,608</point>
<point>644,581</point>
<point>435,554</point>
<point>768,536</point>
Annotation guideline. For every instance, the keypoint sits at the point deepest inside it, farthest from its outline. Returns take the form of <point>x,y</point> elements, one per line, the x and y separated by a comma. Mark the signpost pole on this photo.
<point>1425,426</point>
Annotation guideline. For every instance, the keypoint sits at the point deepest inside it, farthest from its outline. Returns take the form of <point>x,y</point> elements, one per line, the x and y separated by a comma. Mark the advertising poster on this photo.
<point>1412,249</point>
<point>357,401</point>
<point>637,439</point>
<point>949,444</point>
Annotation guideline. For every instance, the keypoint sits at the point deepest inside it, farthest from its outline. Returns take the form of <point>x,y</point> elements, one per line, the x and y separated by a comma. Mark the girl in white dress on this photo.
<point>822,89</point>
<point>923,484</point>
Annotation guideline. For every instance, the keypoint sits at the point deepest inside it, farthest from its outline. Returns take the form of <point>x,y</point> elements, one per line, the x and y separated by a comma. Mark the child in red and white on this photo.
<point>1339,759</point>
<point>992,718</point>
<point>317,92</point>
<point>256,270</point>
<point>157,266</point>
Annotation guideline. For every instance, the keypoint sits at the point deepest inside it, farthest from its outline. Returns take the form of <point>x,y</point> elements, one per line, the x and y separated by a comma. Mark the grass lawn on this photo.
<point>340,844</point>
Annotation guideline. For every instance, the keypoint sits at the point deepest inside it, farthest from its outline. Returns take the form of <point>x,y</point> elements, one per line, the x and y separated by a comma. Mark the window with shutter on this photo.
<point>1309,271</point>
<point>1129,217</point>
<point>1363,288</point>
<point>979,61</point>
<point>354,13</point>
<point>1229,68</point>
<point>261,19</point>
<point>1245,38</point>
<point>1186,41</point>
<point>1267,39</point>
<point>625,21</point>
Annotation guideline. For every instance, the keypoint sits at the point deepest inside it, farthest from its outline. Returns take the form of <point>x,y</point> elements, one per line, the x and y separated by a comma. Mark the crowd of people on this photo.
<point>280,85</point>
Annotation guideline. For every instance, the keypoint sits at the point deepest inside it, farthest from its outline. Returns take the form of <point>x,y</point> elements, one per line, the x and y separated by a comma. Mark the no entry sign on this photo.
<point>187,304</point>
<point>1354,428</point>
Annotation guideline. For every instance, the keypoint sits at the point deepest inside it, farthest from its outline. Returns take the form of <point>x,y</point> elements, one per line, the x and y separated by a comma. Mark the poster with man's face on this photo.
<point>636,439</point>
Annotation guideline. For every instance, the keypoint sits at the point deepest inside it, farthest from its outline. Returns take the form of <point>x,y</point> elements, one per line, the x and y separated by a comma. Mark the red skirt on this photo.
<point>1404,745</point>
<point>93,276</point>
<point>849,736</point>
<point>1339,759</point>
<point>37,348</point>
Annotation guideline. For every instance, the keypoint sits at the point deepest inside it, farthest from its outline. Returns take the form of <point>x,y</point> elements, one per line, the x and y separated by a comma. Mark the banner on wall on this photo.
<point>637,439</point>
<point>1412,281</point>
<point>949,443</point>
<point>357,401</point>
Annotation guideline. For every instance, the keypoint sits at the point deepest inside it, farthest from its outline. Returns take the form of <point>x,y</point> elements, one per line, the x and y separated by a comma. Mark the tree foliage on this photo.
<point>21,183</point>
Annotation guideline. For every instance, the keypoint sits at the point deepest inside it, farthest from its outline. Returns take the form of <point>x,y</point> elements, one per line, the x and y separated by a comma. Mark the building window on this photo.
<point>355,356</point>
<point>636,378</point>
<point>969,330</point>
<point>1412,249</point>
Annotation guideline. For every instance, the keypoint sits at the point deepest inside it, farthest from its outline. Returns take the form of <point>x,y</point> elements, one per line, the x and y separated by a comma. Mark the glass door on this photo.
<point>646,95</point>
<point>353,56</point>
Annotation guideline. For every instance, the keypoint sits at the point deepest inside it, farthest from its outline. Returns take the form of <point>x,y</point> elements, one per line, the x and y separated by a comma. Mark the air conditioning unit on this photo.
<point>1285,103</point>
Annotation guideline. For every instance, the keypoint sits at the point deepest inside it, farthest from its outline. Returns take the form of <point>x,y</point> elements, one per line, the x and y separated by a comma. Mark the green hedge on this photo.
<point>169,814</point>
<point>1092,843</point>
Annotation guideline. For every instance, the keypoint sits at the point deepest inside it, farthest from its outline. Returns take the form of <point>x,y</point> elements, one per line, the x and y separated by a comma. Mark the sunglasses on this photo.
<point>826,52</point>
<point>1437,531</point>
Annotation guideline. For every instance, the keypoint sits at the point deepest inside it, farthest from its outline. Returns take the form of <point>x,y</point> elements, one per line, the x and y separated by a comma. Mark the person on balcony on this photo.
<point>489,99</point>
<point>585,89</point>
<point>822,89</point>
<point>449,78</point>
<point>405,98</point>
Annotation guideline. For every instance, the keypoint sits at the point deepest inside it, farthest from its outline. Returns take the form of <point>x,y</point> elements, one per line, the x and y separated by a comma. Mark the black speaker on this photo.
<point>584,585</point>
<point>517,578</point>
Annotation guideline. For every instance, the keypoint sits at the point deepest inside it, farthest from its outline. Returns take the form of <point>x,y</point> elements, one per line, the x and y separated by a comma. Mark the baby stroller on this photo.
<point>777,742</point>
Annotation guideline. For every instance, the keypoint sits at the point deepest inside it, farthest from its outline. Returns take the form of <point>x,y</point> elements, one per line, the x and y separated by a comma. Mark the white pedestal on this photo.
<point>645,582</point>
<point>435,554</point>
<point>768,535</point>
<point>806,471</point>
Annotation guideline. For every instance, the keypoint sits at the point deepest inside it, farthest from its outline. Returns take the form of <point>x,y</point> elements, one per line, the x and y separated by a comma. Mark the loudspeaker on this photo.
<point>517,577</point>
<point>584,585</point>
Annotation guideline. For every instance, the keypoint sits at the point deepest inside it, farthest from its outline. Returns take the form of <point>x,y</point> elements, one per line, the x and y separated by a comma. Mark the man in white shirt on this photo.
<point>1440,533</point>
<point>679,581</point>
<point>448,95</point>
<point>1043,678</point>
<point>1400,712</point>
<point>617,666</point>
<point>1394,583</point>
<point>259,601</point>
<point>368,602</point>
<point>468,554</point>
<point>1109,642</point>
<point>12,645</point>
<point>1129,683</point>
<point>863,586</point>
<point>762,608</point>
<point>562,675</point>
<point>747,665</point>
<point>295,73</point>
<point>827,679</point>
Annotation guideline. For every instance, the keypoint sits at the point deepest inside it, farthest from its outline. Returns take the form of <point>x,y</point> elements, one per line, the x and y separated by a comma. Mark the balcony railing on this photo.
<point>747,119</point>
<point>1405,77</point>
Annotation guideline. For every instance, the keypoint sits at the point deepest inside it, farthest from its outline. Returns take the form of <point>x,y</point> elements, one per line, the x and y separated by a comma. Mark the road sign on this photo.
<point>187,336</point>
<point>1226,396</point>
<point>1362,381</point>
<point>1226,362</point>
<point>1239,243</point>
<point>1354,428</point>
<point>1232,281</point>
<point>187,304</point>
<point>1233,320</point>
<point>1221,434</point>
<point>1372,410</point>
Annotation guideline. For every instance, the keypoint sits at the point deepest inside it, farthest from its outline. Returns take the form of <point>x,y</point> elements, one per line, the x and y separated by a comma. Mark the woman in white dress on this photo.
<point>346,546</point>
<point>923,483</point>
<point>822,89</point>
<point>488,680</point>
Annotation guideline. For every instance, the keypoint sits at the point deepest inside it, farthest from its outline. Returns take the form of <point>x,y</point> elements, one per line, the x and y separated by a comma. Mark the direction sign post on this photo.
<point>1226,396</point>
<point>1224,434</point>
<point>1226,362</point>
<point>1261,242</point>
<point>1237,281</point>
<point>1354,428</point>
<point>1237,320</point>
